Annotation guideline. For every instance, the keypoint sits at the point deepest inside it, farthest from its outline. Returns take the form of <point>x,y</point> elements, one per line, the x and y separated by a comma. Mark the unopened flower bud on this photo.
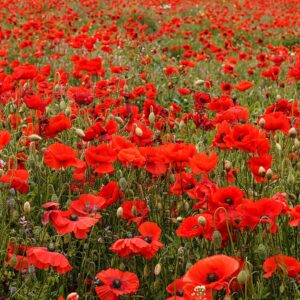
<point>278,146</point>
<point>62,105</point>
<point>291,178</point>
<point>123,183</point>
<point>35,137</point>
<point>26,207</point>
<point>269,174</point>
<point>202,220</point>
<point>217,238</point>
<point>80,132</point>
<point>181,124</point>
<point>198,82</point>
<point>138,131</point>
<point>120,212</point>
<point>73,296</point>
<point>157,269</point>
<point>262,122</point>
<point>262,171</point>
<point>261,251</point>
<point>296,143</point>
<point>151,118</point>
<point>227,165</point>
<point>292,132</point>
<point>134,211</point>
<point>243,276</point>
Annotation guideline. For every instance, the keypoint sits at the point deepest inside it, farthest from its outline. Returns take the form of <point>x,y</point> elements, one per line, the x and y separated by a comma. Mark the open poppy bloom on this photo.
<point>4,138</point>
<point>59,156</point>
<point>176,288</point>
<point>17,180</point>
<point>43,258</point>
<point>116,283</point>
<point>212,272</point>
<point>65,222</point>
<point>16,257</point>
<point>289,266</point>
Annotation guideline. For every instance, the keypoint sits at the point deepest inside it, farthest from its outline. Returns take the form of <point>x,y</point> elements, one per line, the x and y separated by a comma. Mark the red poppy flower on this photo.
<point>190,226</point>
<point>44,258</point>
<point>228,197</point>
<point>111,193</point>
<point>150,234</point>
<point>282,263</point>
<point>138,215</point>
<point>212,272</point>
<point>295,216</point>
<point>59,156</point>
<point>203,163</point>
<point>255,163</point>
<point>243,85</point>
<point>276,121</point>
<point>131,156</point>
<point>56,125</point>
<point>116,283</point>
<point>17,179</point>
<point>100,158</point>
<point>49,208</point>
<point>65,222</point>
<point>129,246</point>
<point>80,95</point>
<point>4,138</point>
<point>176,288</point>
<point>26,71</point>
<point>16,255</point>
<point>86,204</point>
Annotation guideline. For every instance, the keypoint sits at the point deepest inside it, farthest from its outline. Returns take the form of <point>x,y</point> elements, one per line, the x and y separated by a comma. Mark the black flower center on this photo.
<point>148,239</point>
<point>179,293</point>
<point>228,201</point>
<point>50,248</point>
<point>73,217</point>
<point>212,277</point>
<point>116,284</point>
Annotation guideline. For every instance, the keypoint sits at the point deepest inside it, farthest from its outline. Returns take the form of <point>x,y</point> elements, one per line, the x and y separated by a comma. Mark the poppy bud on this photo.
<point>281,288</point>
<point>79,132</point>
<point>26,207</point>
<point>291,178</point>
<point>156,284</point>
<point>62,105</point>
<point>181,125</point>
<point>179,219</point>
<point>278,97</point>
<point>120,212</point>
<point>146,271</point>
<point>278,146</point>
<point>157,269</point>
<point>261,251</point>
<point>292,132</point>
<point>198,82</point>
<point>217,238</point>
<point>123,183</point>
<point>35,137</point>
<point>138,131</point>
<point>269,174</point>
<point>54,198</point>
<point>202,220</point>
<point>243,277</point>
<point>262,171</point>
<point>262,122</point>
<point>68,111</point>
<point>122,267</point>
<point>151,118</point>
<point>227,165</point>
<point>119,120</point>
<point>296,143</point>
<point>72,296</point>
<point>186,205</point>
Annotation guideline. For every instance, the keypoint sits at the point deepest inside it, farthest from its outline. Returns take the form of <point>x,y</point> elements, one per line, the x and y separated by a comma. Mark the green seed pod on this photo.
<point>243,277</point>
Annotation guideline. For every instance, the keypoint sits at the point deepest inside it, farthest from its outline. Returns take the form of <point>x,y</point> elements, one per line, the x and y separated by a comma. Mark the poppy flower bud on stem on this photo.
<point>202,221</point>
<point>269,174</point>
<point>72,296</point>
<point>262,171</point>
<point>217,238</point>
<point>26,207</point>
<point>120,212</point>
<point>123,183</point>
<point>243,276</point>
<point>138,131</point>
<point>296,143</point>
<point>157,269</point>
<point>262,122</point>
<point>292,132</point>
<point>227,165</point>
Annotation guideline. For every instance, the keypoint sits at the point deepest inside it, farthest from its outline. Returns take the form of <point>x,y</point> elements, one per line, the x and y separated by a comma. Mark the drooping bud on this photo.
<point>157,269</point>
<point>262,122</point>
<point>138,131</point>
<point>120,212</point>
<point>80,132</point>
<point>269,174</point>
<point>217,238</point>
<point>151,118</point>
<point>292,133</point>
<point>35,137</point>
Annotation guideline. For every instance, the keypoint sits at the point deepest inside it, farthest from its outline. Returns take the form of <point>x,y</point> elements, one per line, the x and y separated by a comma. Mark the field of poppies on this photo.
<point>149,149</point>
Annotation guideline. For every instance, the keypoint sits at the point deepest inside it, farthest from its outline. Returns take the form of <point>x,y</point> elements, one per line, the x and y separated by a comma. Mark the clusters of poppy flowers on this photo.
<point>118,91</point>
